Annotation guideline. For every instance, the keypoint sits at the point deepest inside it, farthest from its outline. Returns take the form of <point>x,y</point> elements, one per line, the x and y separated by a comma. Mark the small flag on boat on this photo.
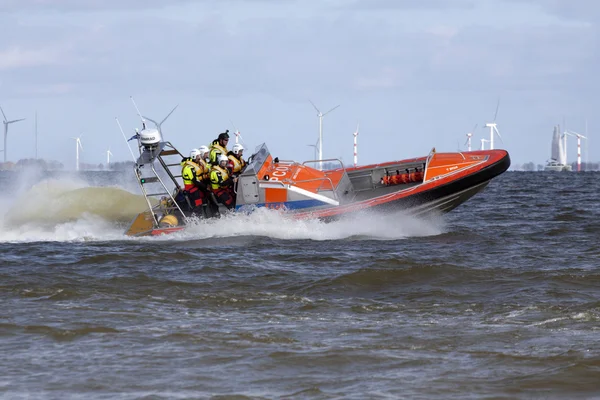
<point>136,136</point>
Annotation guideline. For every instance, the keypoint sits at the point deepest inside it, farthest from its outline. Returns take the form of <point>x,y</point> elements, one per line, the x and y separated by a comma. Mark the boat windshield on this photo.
<point>257,159</point>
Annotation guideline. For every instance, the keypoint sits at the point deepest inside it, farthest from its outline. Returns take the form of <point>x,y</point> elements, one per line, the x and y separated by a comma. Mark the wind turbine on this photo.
<point>579,136</point>
<point>355,150</point>
<point>483,141</point>
<point>6,123</point>
<point>237,134</point>
<point>77,146</point>
<point>321,115</point>
<point>492,126</point>
<point>469,136</point>
<point>158,124</point>
<point>108,154</point>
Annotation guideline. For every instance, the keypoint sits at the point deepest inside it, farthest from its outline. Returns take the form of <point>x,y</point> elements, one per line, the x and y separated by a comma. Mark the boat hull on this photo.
<point>447,196</point>
<point>440,195</point>
<point>437,183</point>
<point>558,168</point>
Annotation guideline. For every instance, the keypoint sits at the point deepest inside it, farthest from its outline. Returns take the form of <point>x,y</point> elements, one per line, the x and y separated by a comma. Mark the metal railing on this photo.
<point>156,178</point>
<point>325,160</point>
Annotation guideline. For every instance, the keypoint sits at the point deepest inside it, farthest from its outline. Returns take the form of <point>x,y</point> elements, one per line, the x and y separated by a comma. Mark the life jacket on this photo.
<point>218,175</point>
<point>215,150</point>
<point>238,164</point>
<point>189,172</point>
<point>203,171</point>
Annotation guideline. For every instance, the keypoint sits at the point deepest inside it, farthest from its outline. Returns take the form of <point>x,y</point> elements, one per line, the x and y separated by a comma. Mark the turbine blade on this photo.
<point>159,124</point>
<point>497,106</point>
<point>331,110</point>
<point>4,115</point>
<point>15,120</point>
<point>169,114</point>
<point>498,133</point>
<point>313,104</point>
<point>357,128</point>
<point>474,128</point>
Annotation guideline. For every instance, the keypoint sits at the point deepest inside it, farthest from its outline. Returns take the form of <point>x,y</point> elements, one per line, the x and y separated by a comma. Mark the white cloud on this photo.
<point>41,6</point>
<point>588,11</point>
<point>16,57</point>
<point>383,78</point>
<point>410,4</point>
<point>271,55</point>
<point>83,5</point>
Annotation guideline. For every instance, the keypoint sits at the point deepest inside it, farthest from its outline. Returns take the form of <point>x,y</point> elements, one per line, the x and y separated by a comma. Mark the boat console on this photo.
<point>273,183</point>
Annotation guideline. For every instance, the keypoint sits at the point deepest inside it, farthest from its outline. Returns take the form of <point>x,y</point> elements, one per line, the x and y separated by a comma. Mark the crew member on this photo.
<point>203,172</point>
<point>205,153</point>
<point>194,173</point>
<point>222,182</point>
<point>236,162</point>
<point>219,146</point>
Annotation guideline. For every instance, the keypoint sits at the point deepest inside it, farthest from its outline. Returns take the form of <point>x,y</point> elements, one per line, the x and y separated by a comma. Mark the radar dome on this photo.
<point>150,137</point>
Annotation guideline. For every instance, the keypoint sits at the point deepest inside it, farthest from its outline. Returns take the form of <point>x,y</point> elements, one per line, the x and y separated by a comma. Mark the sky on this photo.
<point>413,74</point>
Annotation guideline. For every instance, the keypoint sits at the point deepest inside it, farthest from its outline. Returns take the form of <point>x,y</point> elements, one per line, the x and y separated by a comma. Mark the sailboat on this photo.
<point>558,159</point>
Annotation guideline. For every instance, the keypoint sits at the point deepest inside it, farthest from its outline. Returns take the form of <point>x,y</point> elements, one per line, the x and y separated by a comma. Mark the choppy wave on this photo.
<point>497,299</point>
<point>59,334</point>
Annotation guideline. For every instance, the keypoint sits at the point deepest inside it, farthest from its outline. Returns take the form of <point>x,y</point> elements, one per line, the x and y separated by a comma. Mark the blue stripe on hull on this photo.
<point>288,205</point>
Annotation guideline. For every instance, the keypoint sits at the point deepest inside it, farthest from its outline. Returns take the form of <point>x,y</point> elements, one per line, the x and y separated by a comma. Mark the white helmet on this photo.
<point>194,153</point>
<point>237,148</point>
<point>203,149</point>
<point>222,157</point>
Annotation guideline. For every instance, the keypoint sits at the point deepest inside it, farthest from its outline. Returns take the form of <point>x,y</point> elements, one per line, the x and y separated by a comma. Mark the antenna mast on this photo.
<point>125,137</point>
<point>138,112</point>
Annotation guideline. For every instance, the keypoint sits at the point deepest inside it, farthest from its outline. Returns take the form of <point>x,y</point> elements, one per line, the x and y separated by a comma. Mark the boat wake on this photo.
<point>67,210</point>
